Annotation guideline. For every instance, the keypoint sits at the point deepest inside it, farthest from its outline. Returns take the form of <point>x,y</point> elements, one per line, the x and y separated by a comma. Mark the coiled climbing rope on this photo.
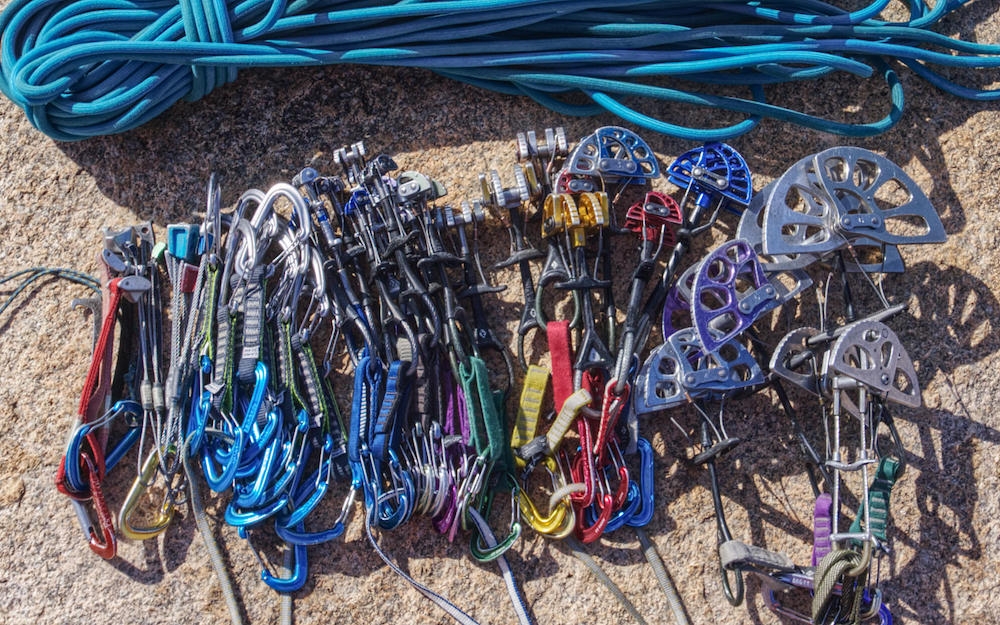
<point>82,68</point>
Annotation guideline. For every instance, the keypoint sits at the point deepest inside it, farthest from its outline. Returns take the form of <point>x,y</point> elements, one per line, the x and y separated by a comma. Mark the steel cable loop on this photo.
<point>83,68</point>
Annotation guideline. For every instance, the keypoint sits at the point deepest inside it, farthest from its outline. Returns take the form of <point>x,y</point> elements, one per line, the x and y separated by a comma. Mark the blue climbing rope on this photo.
<point>83,68</point>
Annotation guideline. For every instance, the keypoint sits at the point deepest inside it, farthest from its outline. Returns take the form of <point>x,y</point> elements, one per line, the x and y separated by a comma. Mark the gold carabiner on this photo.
<point>560,521</point>
<point>135,494</point>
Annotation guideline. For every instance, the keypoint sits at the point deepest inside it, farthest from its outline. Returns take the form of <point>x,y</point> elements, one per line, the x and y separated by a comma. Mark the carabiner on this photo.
<point>139,487</point>
<point>590,533</point>
<point>560,520</point>
<point>582,468</point>
<point>308,496</point>
<point>221,479</point>
<point>477,545</point>
<point>69,479</point>
<point>623,492</point>
<point>470,486</point>
<point>231,458</point>
<point>611,409</point>
<point>647,507</point>
<point>621,516</point>
<point>297,579</point>
<point>300,537</point>
<point>201,404</point>
<point>253,494</point>
<point>254,438</point>
<point>251,517</point>
<point>387,516</point>
<point>289,464</point>
<point>105,544</point>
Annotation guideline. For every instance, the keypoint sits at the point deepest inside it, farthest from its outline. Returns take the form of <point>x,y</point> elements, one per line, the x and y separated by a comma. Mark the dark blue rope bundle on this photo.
<point>83,68</point>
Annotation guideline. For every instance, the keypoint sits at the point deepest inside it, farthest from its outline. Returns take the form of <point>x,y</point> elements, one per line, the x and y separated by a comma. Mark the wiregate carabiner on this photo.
<point>581,468</point>
<point>307,494</point>
<point>303,502</point>
<point>253,438</point>
<point>254,516</point>
<point>231,458</point>
<point>477,546</point>
<point>588,533</point>
<point>621,515</point>
<point>285,471</point>
<point>393,507</point>
<point>275,454</point>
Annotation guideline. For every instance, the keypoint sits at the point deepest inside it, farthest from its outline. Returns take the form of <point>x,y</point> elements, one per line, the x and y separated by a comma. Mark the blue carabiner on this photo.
<point>73,476</point>
<point>884,615</point>
<point>242,434</point>
<point>644,514</point>
<point>254,516</point>
<point>124,445</point>
<point>251,494</point>
<point>298,577</point>
<point>304,539</point>
<point>304,501</point>
<point>312,490</point>
<point>212,456</point>
<point>231,459</point>
<point>285,474</point>
<point>389,517</point>
<point>256,438</point>
<point>623,515</point>
<point>197,419</point>
<point>259,442</point>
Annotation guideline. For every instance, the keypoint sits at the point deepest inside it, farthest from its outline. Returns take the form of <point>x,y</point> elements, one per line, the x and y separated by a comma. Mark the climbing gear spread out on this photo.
<point>366,285</point>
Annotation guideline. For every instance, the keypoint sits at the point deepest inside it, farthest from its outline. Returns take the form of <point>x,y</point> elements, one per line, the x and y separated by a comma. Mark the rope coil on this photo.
<point>95,67</point>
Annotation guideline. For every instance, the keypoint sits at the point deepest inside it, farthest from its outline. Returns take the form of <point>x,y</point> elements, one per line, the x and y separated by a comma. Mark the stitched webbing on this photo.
<point>252,338</point>
<point>364,384</point>
<point>529,409</point>
<point>100,362</point>
<point>562,362</point>
<point>385,430</point>
<point>225,351</point>
<point>486,426</point>
<point>878,499</point>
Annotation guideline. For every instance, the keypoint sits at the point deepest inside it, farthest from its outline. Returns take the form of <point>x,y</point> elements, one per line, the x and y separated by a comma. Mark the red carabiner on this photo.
<point>611,408</point>
<point>618,462</point>
<point>582,466</point>
<point>87,465</point>
<point>109,547</point>
<point>590,533</point>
